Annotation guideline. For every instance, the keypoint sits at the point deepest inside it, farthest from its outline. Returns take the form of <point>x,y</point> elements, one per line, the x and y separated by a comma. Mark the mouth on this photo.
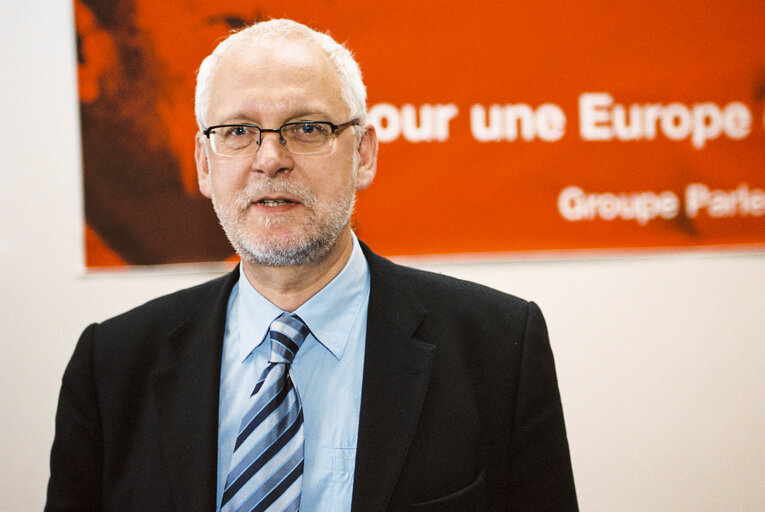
<point>276,197</point>
<point>274,202</point>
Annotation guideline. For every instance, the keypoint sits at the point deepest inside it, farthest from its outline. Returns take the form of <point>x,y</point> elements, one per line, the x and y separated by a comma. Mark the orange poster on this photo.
<point>505,127</point>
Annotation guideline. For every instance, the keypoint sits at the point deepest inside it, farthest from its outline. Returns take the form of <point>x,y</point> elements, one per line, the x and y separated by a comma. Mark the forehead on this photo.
<point>275,77</point>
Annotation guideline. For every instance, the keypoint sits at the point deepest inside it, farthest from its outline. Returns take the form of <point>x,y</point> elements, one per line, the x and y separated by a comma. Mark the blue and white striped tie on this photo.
<point>266,469</point>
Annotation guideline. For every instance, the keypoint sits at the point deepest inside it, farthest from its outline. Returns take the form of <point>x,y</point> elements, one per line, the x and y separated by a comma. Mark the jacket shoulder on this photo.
<point>171,309</point>
<point>444,285</point>
<point>434,288</point>
<point>159,317</point>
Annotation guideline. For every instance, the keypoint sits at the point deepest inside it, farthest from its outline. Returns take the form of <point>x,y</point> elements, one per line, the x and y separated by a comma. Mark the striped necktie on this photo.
<point>266,468</point>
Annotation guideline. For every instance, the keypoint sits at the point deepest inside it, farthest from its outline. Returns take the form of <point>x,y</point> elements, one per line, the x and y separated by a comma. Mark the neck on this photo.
<point>289,288</point>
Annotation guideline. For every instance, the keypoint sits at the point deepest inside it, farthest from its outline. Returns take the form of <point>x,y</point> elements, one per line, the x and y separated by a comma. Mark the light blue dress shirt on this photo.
<point>327,371</point>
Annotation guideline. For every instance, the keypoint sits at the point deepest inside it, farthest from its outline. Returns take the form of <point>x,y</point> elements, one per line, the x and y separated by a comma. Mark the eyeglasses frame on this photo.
<point>335,129</point>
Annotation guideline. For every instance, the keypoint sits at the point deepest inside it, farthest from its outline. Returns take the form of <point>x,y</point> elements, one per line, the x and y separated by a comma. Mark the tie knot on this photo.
<point>287,334</point>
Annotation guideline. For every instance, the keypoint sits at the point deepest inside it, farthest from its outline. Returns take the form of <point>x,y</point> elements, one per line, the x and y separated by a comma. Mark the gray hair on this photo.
<point>353,91</point>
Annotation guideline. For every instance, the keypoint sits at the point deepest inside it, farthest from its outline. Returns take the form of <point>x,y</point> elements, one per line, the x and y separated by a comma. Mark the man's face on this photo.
<point>277,208</point>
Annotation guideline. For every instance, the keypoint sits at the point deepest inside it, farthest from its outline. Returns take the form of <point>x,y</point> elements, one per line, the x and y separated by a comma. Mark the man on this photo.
<point>392,389</point>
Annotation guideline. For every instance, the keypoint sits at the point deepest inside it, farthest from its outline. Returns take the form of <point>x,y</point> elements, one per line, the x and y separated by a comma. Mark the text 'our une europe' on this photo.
<point>600,118</point>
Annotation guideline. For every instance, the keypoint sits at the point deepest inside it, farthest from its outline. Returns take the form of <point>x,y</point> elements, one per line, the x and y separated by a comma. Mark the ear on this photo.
<point>367,158</point>
<point>203,165</point>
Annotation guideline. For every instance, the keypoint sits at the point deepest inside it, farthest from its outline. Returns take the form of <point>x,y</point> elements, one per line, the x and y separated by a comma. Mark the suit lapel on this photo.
<point>186,389</point>
<point>396,375</point>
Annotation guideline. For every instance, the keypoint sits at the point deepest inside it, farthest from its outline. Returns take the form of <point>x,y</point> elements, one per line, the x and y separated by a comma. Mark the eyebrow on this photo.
<point>308,114</point>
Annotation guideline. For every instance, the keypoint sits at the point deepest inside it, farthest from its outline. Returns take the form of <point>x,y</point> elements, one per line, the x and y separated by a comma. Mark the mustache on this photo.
<point>295,191</point>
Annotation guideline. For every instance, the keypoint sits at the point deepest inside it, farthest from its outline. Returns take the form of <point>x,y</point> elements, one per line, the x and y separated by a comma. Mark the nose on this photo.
<point>271,157</point>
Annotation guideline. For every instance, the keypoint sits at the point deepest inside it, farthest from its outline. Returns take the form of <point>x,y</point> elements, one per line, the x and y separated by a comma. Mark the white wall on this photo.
<point>661,359</point>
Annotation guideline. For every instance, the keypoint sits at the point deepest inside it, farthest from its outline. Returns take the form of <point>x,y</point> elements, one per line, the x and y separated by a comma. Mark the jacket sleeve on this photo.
<point>76,460</point>
<point>541,474</point>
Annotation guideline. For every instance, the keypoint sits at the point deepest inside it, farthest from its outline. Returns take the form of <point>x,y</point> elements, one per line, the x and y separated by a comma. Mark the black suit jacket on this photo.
<point>460,408</point>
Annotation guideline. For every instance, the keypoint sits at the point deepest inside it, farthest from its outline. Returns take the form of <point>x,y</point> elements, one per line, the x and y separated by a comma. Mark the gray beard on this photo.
<point>318,237</point>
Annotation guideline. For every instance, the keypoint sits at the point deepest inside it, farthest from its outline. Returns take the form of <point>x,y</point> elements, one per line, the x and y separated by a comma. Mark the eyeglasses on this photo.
<point>300,138</point>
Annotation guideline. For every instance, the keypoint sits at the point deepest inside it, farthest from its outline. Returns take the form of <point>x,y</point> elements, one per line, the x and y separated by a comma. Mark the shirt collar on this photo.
<point>329,314</point>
